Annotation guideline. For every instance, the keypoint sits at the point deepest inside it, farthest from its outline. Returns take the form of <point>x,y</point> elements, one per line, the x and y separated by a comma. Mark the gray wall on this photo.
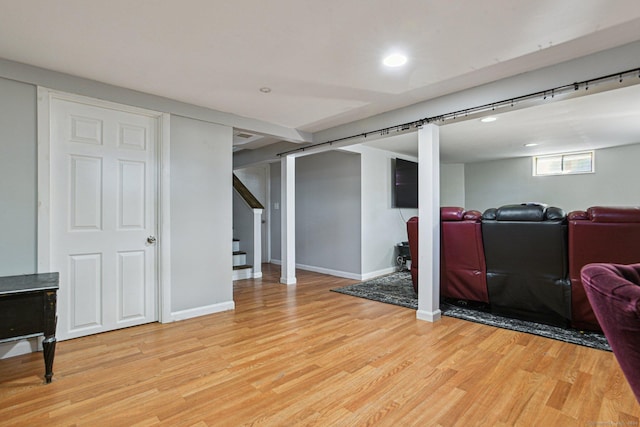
<point>201,214</point>
<point>501,182</point>
<point>383,226</point>
<point>328,211</point>
<point>18,188</point>
<point>452,188</point>
<point>276,225</point>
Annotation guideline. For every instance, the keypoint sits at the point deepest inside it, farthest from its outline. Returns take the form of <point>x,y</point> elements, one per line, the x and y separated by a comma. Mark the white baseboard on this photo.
<point>321,270</point>
<point>429,316</point>
<point>289,281</point>
<point>345,274</point>
<point>257,275</point>
<point>20,347</point>
<point>338,273</point>
<point>379,273</point>
<point>245,273</point>
<point>202,311</point>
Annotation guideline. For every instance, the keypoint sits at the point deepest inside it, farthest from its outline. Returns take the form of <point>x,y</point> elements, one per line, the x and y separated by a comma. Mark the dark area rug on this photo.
<point>396,288</point>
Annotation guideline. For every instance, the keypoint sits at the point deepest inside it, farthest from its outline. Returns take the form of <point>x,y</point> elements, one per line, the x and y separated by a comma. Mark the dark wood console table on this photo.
<point>28,309</point>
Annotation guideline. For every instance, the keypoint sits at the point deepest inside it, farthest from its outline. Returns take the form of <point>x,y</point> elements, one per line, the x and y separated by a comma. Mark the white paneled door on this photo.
<point>103,217</point>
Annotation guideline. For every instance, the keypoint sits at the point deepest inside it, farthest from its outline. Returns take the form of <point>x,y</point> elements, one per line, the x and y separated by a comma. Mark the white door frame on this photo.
<point>163,264</point>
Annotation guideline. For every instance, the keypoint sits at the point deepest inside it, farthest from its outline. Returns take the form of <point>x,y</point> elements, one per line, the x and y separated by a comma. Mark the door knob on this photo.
<point>151,240</point>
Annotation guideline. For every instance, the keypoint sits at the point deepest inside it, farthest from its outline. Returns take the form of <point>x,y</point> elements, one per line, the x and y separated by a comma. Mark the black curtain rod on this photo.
<point>559,90</point>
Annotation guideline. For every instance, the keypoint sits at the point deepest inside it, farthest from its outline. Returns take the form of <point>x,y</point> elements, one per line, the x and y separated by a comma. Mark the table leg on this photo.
<point>49,343</point>
<point>49,351</point>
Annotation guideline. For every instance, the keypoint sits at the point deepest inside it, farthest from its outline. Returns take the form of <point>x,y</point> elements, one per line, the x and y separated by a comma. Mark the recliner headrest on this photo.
<point>532,212</point>
<point>520,213</point>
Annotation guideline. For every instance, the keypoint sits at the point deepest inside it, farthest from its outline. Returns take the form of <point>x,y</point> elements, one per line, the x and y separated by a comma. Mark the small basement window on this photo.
<point>563,164</point>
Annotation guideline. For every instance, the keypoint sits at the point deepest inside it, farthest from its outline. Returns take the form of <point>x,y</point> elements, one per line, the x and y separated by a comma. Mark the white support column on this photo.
<point>429,225</point>
<point>288,213</point>
<point>257,243</point>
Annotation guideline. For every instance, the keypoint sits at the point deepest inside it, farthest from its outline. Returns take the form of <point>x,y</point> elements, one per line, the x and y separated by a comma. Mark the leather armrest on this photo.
<point>554,214</point>
<point>614,214</point>
<point>489,214</point>
<point>578,216</point>
<point>472,215</point>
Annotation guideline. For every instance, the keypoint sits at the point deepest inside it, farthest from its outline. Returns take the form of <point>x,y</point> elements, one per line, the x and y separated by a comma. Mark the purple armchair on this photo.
<point>614,293</point>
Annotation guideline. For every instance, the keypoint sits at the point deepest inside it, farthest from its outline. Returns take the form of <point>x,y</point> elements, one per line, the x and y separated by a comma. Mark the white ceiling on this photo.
<point>599,120</point>
<point>321,59</point>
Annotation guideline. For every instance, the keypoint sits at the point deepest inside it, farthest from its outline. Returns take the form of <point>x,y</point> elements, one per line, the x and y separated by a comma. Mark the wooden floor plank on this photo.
<point>302,355</point>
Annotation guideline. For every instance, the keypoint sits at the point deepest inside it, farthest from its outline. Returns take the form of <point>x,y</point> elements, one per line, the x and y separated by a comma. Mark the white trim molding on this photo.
<point>378,273</point>
<point>202,311</point>
<point>245,273</point>
<point>429,316</point>
<point>20,347</point>
<point>339,273</point>
<point>164,219</point>
<point>330,272</point>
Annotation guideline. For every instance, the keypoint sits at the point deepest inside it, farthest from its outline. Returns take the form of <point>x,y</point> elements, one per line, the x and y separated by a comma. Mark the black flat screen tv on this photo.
<point>405,184</point>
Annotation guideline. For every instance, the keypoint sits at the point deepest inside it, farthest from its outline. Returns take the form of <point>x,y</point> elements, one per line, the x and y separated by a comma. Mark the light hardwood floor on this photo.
<point>302,355</point>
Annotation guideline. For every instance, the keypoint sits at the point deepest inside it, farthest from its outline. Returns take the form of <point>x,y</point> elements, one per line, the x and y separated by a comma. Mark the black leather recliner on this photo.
<point>526,257</point>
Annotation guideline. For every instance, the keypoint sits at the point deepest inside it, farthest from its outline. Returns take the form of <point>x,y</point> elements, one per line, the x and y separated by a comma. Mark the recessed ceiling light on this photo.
<point>265,89</point>
<point>395,60</point>
<point>488,119</point>
<point>531,144</point>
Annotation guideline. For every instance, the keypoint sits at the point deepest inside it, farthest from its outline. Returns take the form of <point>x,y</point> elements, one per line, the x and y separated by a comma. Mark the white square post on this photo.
<point>429,223</point>
<point>288,218</point>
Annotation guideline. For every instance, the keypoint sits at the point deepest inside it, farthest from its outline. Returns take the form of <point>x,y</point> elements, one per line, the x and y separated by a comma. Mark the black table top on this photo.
<point>28,283</point>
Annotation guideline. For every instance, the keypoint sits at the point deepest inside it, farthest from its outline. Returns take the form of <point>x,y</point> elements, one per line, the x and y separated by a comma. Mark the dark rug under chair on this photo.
<point>396,288</point>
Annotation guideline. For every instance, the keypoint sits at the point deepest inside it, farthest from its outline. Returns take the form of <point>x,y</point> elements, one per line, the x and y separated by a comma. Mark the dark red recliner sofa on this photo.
<point>479,267</point>
<point>462,263</point>
<point>463,272</point>
<point>412,234</point>
<point>599,235</point>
